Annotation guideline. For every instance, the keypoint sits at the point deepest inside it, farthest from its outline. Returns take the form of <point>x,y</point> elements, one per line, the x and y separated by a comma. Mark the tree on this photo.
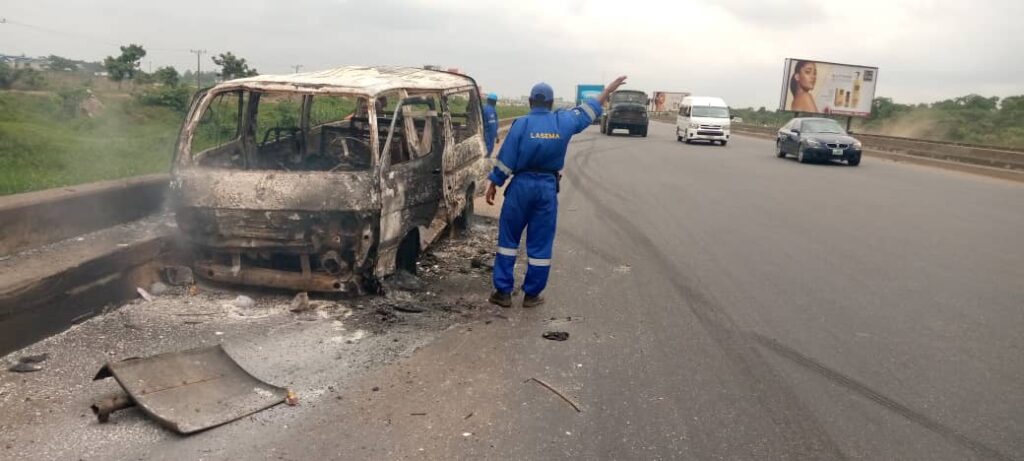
<point>58,63</point>
<point>125,66</point>
<point>232,67</point>
<point>168,76</point>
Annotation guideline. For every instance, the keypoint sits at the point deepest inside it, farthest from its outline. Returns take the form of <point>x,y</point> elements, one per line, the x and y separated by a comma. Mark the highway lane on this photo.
<point>722,304</point>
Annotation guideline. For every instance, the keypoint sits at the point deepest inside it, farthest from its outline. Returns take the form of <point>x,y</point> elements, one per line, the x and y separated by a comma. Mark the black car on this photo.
<point>817,139</point>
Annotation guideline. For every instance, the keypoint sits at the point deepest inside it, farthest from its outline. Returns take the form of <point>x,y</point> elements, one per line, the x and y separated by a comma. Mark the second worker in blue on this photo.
<point>533,154</point>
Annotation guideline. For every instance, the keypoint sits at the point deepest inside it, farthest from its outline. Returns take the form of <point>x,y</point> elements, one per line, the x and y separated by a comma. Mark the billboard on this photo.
<point>816,87</point>
<point>667,101</point>
<point>587,91</point>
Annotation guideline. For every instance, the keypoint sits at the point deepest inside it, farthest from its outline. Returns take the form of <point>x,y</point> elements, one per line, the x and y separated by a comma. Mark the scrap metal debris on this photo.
<point>552,389</point>
<point>103,407</point>
<point>556,335</point>
<point>178,276</point>
<point>158,288</point>
<point>145,294</point>
<point>189,391</point>
<point>29,363</point>
<point>243,302</point>
<point>22,367</point>
<point>300,303</point>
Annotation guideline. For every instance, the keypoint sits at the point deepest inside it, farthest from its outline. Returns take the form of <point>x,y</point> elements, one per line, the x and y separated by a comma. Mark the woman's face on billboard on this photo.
<point>807,76</point>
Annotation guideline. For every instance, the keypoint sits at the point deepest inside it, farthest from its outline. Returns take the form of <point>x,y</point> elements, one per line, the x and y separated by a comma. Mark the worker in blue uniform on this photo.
<point>533,155</point>
<point>491,122</point>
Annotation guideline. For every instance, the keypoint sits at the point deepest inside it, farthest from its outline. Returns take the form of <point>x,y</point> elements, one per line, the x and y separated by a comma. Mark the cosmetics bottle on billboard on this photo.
<point>856,89</point>
<point>839,97</point>
<point>847,102</point>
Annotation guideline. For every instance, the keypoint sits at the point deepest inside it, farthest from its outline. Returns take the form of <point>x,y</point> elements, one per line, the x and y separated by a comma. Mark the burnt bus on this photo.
<point>326,181</point>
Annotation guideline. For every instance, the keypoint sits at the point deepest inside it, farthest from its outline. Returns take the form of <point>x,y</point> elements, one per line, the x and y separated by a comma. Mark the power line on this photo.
<point>77,35</point>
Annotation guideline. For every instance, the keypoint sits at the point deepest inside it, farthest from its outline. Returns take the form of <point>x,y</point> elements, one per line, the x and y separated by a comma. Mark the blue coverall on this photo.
<point>490,127</point>
<point>533,153</point>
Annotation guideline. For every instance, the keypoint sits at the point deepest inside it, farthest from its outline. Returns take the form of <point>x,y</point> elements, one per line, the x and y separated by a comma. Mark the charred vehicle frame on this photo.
<point>326,181</point>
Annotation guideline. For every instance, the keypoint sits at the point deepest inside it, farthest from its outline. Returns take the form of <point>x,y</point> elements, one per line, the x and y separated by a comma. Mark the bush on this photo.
<point>173,97</point>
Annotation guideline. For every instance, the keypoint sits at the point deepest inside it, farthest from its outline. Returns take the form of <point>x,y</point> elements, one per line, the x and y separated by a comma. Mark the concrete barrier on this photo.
<point>38,218</point>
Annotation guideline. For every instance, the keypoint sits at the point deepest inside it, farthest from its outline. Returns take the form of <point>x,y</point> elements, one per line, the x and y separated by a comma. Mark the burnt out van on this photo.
<point>326,181</point>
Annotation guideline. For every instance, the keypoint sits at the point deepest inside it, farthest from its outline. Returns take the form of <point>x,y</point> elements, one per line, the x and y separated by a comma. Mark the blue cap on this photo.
<point>492,96</point>
<point>542,91</point>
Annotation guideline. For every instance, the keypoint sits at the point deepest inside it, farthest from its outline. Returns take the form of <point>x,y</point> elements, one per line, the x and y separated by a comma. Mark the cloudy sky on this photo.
<point>926,50</point>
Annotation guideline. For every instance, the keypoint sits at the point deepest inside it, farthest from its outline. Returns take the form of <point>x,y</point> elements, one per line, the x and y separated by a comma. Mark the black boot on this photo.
<point>532,301</point>
<point>501,299</point>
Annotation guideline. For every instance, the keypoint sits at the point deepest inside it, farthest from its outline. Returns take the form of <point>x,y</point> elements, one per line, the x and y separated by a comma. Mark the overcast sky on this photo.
<point>926,50</point>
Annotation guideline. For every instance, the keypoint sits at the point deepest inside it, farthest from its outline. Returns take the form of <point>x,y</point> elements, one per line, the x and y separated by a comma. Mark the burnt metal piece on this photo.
<point>318,282</point>
<point>192,390</point>
<point>103,407</point>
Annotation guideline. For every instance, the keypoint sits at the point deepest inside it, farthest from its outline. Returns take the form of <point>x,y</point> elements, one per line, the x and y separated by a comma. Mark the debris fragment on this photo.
<point>291,398</point>
<point>178,276</point>
<point>243,301</point>
<point>145,294</point>
<point>556,335</point>
<point>192,390</point>
<point>158,288</point>
<point>482,262</point>
<point>38,358</point>
<point>405,281</point>
<point>21,367</point>
<point>375,388</point>
<point>300,303</point>
<point>417,414</point>
<point>408,307</point>
<point>103,407</point>
<point>552,389</point>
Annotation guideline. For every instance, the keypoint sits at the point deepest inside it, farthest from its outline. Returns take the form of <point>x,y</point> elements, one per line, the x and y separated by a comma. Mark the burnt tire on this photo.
<point>464,222</point>
<point>408,253</point>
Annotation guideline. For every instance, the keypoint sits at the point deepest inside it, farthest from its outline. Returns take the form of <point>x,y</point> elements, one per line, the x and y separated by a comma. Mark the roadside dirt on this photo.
<point>314,352</point>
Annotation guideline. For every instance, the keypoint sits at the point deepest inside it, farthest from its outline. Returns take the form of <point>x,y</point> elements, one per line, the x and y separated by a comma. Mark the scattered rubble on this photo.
<point>300,303</point>
<point>556,335</point>
<point>145,294</point>
<point>158,288</point>
<point>178,276</point>
<point>243,301</point>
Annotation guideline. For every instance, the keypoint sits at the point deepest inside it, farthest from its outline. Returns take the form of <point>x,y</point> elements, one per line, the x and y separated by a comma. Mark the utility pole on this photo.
<point>198,66</point>
<point>297,67</point>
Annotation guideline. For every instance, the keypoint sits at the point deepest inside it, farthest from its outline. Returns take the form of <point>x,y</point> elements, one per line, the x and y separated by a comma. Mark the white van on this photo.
<point>702,117</point>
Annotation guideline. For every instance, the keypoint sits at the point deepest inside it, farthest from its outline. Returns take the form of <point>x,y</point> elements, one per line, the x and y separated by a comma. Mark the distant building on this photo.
<point>23,62</point>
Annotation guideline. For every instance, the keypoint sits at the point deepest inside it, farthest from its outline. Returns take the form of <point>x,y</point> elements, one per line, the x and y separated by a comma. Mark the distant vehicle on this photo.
<point>817,139</point>
<point>326,181</point>
<point>627,110</point>
<point>703,118</point>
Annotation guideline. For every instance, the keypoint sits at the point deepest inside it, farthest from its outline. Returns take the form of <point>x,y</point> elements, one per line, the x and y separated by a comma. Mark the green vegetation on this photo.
<point>505,111</point>
<point>19,78</point>
<point>232,67</point>
<point>45,143</point>
<point>971,119</point>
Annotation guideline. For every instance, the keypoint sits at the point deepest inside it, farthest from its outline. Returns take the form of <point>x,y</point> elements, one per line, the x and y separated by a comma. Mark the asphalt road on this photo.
<point>722,304</point>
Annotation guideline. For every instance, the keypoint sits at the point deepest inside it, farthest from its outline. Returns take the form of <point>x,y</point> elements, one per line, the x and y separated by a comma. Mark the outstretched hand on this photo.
<point>615,84</point>
<point>608,90</point>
